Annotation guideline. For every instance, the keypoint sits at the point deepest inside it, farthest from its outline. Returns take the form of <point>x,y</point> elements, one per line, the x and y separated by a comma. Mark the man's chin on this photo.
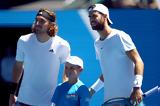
<point>37,33</point>
<point>97,29</point>
<point>94,28</point>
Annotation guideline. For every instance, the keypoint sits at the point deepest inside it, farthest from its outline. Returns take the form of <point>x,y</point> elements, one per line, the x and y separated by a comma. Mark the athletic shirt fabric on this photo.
<point>117,68</point>
<point>71,95</point>
<point>41,67</point>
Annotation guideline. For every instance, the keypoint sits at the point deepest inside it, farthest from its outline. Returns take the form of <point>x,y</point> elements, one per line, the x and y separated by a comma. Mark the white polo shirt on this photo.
<point>41,67</point>
<point>117,68</point>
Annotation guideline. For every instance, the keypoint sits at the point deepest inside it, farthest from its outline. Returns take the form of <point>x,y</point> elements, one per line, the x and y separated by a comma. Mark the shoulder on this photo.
<point>61,41</point>
<point>121,33</point>
<point>59,86</point>
<point>83,91</point>
<point>26,37</point>
<point>81,86</point>
<point>79,83</point>
<point>62,84</point>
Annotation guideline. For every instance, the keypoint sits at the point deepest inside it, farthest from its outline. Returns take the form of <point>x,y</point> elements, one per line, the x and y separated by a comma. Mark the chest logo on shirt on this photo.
<point>51,50</point>
<point>72,96</point>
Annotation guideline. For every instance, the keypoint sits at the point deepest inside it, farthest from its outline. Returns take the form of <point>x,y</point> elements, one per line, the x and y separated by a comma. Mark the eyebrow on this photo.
<point>42,18</point>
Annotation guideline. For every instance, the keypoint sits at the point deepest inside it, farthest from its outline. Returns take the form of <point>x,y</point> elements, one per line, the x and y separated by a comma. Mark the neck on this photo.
<point>105,32</point>
<point>42,37</point>
<point>72,81</point>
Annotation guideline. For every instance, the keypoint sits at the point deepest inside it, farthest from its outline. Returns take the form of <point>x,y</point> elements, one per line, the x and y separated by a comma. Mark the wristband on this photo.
<point>13,88</point>
<point>137,81</point>
<point>97,85</point>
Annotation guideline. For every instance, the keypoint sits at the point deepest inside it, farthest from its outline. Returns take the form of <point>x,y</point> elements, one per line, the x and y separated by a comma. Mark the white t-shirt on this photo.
<point>41,67</point>
<point>117,68</point>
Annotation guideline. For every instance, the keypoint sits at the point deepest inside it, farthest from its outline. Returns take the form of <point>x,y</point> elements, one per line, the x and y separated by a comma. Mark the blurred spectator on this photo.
<point>7,64</point>
<point>153,4</point>
<point>96,1</point>
<point>72,4</point>
<point>0,70</point>
<point>67,2</point>
<point>7,4</point>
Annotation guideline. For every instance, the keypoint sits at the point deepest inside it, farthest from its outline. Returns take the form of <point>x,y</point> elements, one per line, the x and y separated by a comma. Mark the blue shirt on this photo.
<point>71,94</point>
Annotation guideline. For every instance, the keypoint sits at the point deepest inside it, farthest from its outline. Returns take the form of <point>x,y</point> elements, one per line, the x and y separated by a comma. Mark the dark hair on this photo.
<point>91,7</point>
<point>48,14</point>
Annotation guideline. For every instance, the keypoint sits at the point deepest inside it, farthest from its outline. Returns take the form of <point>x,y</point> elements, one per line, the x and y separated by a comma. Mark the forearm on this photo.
<point>138,78</point>
<point>139,67</point>
<point>98,84</point>
<point>135,57</point>
<point>17,74</point>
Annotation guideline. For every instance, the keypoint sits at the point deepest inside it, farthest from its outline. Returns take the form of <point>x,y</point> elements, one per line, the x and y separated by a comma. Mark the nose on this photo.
<point>91,19</point>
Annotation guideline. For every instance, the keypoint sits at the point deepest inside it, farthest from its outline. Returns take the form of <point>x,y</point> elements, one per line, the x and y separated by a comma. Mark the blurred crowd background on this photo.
<point>72,4</point>
<point>11,34</point>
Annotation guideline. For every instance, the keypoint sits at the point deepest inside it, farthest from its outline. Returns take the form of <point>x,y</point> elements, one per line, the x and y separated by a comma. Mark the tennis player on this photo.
<point>121,64</point>
<point>72,92</point>
<point>39,54</point>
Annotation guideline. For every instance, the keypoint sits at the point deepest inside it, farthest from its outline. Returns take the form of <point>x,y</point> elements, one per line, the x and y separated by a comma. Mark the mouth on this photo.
<point>38,27</point>
<point>94,23</point>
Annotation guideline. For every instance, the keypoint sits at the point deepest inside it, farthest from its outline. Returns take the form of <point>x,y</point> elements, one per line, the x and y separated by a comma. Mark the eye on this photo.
<point>72,68</point>
<point>66,67</point>
<point>95,15</point>
<point>42,21</point>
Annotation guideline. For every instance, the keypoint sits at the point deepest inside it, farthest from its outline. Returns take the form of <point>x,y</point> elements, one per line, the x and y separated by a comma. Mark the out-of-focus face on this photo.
<point>72,71</point>
<point>41,25</point>
<point>96,20</point>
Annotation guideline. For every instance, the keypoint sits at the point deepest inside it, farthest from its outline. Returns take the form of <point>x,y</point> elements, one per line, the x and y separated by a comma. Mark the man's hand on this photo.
<point>12,100</point>
<point>91,91</point>
<point>136,96</point>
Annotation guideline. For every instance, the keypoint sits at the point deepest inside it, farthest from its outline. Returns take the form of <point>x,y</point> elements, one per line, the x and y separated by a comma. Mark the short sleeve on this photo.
<point>127,42</point>
<point>20,50</point>
<point>64,52</point>
<point>84,96</point>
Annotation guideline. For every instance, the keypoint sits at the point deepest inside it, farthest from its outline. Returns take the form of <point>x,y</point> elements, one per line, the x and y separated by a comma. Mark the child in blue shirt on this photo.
<point>72,92</point>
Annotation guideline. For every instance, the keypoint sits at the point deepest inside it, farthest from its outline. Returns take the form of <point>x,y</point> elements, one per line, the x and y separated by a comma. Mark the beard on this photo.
<point>39,30</point>
<point>99,27</point>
